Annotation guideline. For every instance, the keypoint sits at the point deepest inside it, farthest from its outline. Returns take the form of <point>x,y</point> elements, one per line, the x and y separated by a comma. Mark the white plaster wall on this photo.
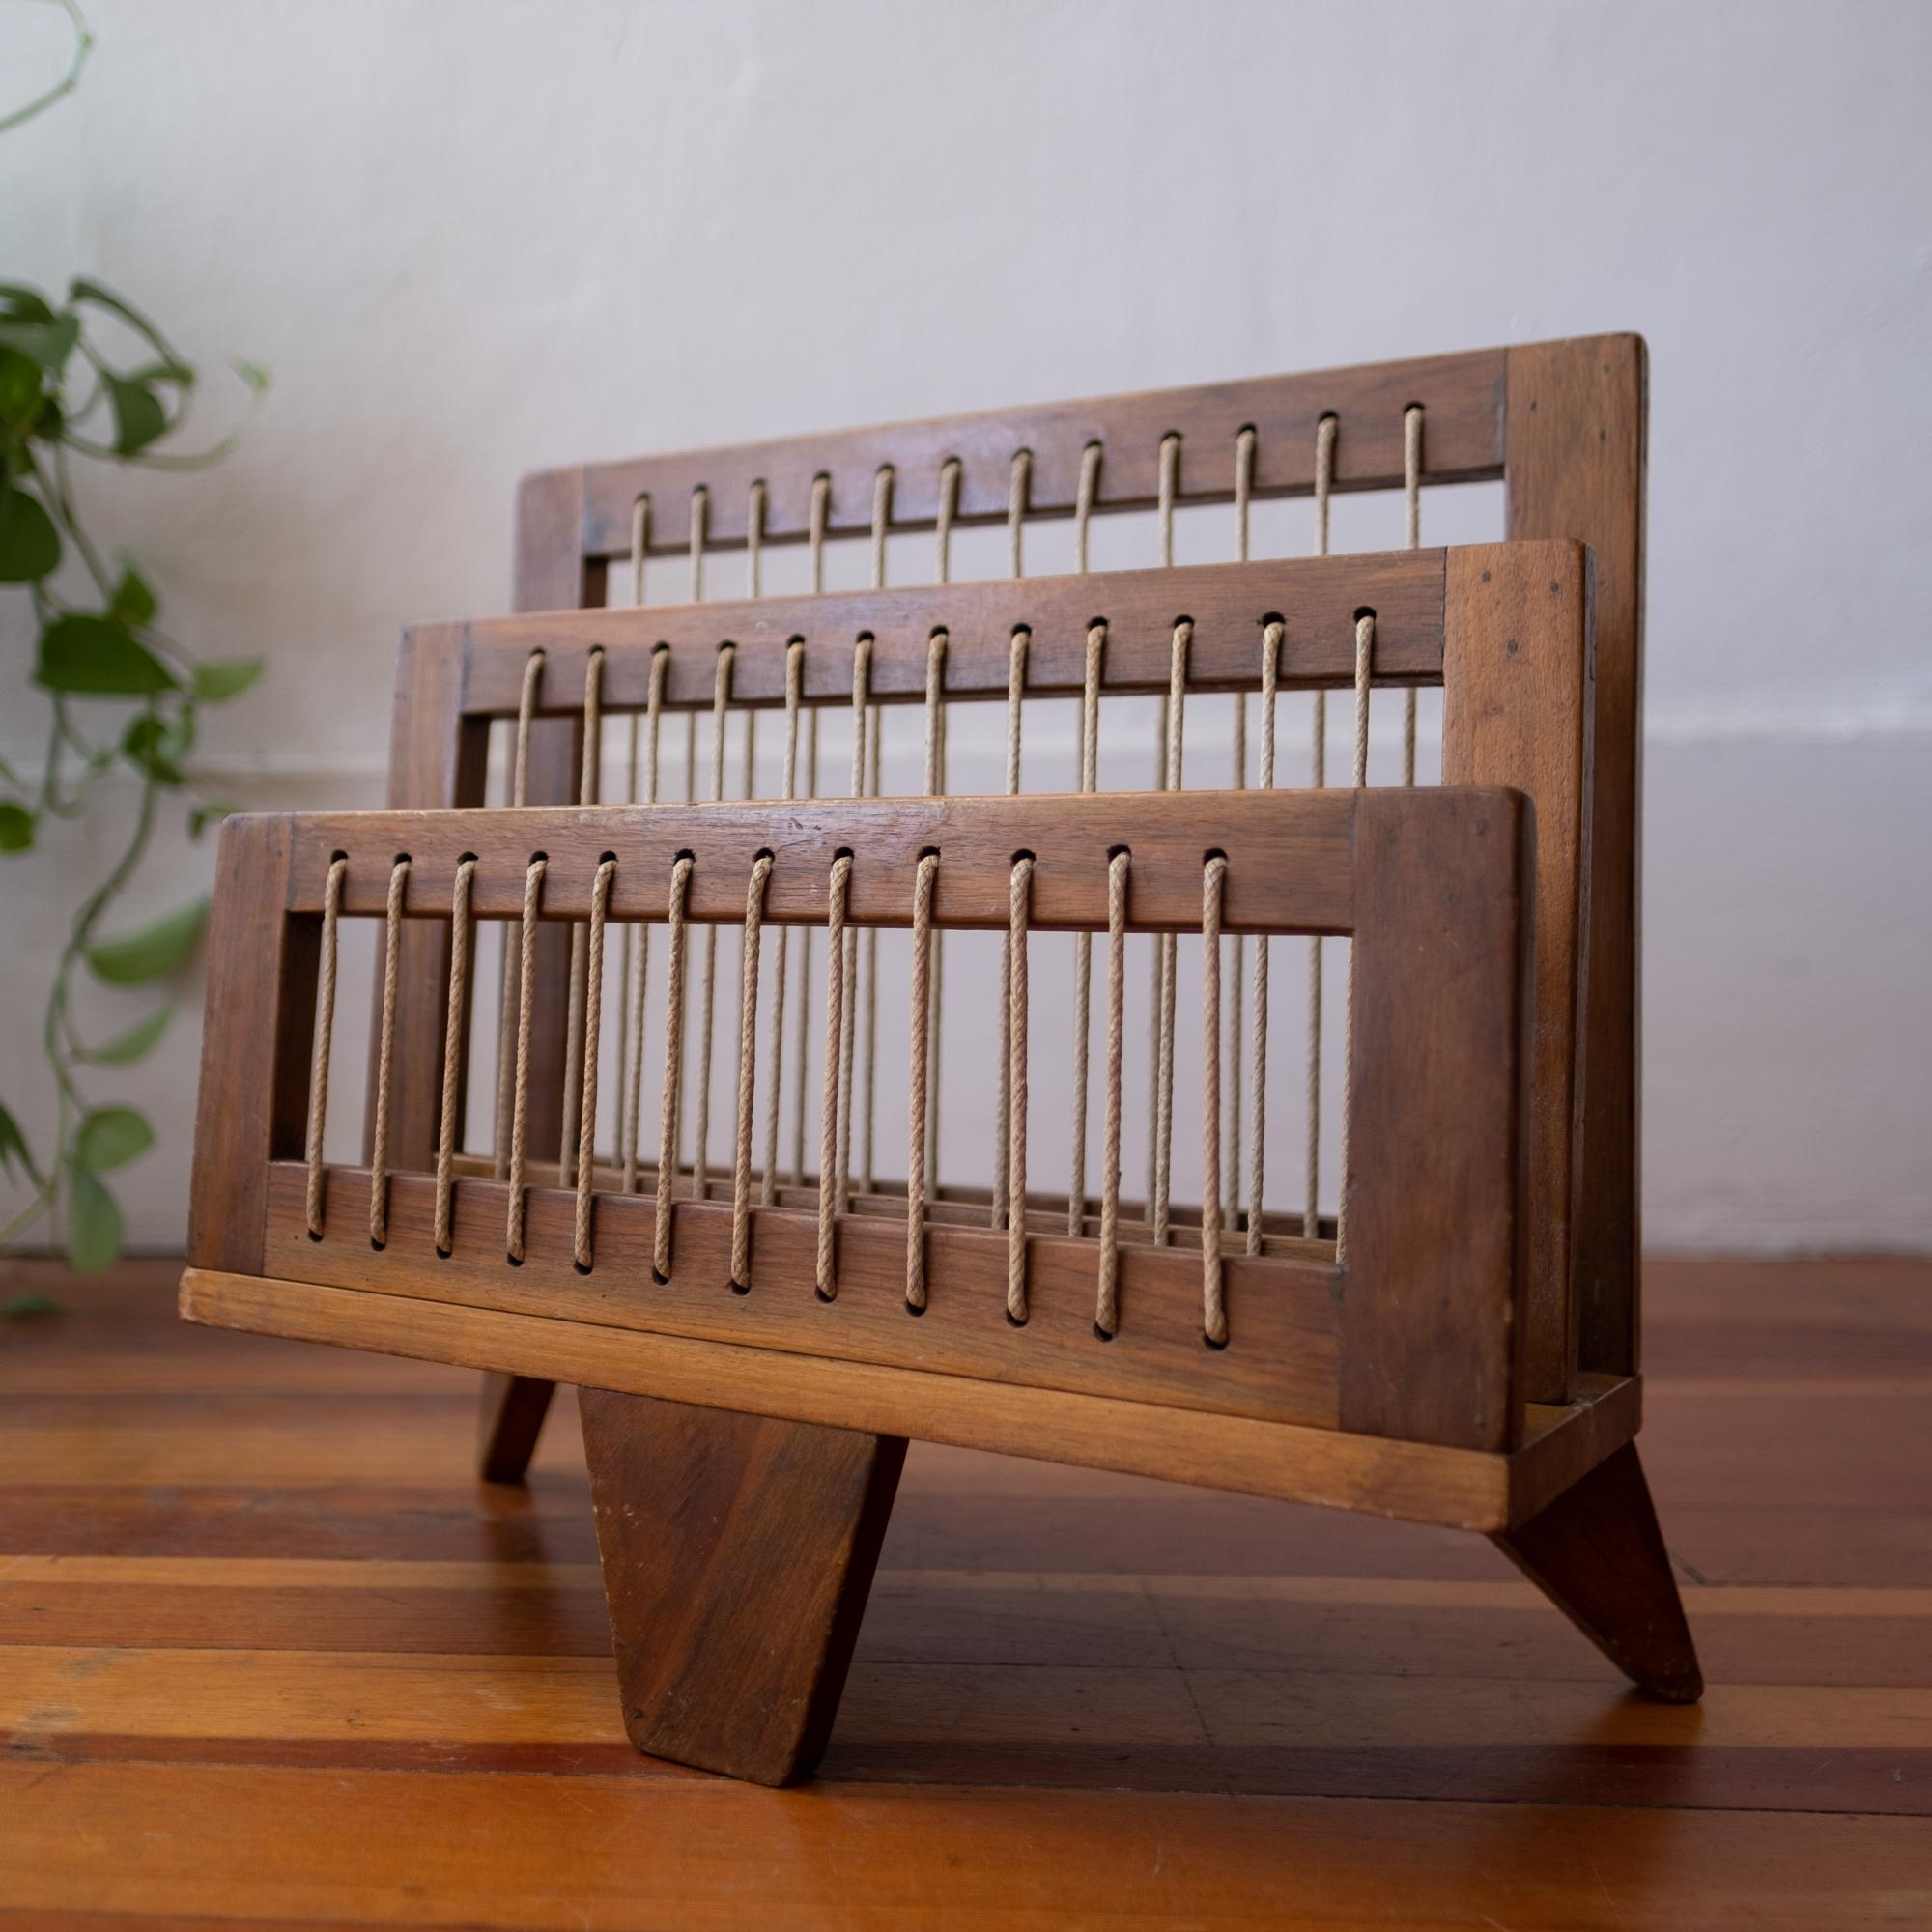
<point>471,237</point>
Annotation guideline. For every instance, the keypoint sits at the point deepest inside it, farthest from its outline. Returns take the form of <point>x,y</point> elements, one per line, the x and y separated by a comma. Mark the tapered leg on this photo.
<point>1597,1554</point>
<point>509,1420</point>
<point>738,1553</point>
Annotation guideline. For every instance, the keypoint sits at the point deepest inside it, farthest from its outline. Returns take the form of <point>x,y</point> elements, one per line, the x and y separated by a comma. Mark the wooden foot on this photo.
<point>738,1553</point>
<point>1597,1554</point>
<point>509,1421</point>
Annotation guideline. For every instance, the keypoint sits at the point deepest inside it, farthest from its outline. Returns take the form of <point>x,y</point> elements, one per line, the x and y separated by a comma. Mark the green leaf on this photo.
<point>48,343</point>
<point>140,416</point>
<point>137,957</point>
<point>20,1307</point>
<point>144,745</point>
<point>211,812</point>
<point>132,1045</point>
<point>223,678</point>
<point>83,290</point>
<point>23,398</point>
<point>133,603</point>
<point>30,546</point>
<point>110,1137</point>
<point>95,657</point>
<point>13,1146</point>
<point>93,1224</point>
<point>17,827</point>
<point>28,304</point>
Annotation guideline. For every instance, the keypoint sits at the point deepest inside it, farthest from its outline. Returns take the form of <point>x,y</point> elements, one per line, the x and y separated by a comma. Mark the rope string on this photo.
<point>510,995</point>
<point>1016,661</point>
<point>918,1095</point>
<point>674,1076</point>
<point>637,955</point>
<point>949,472</point>
<point>325,1035</point>
<point>935,785</point>
<point>848,981</point>
<point>1325,431</point>
<point>385,1056</point>
<point>829,1202</point>
<point>1213,1311</point>
<point>1167,482</point>
<point>821,500</point>
<point>1106,1312</point>
<point>1083,941</point>
<point>1411,493</point>
<point>754,540</point>
<point>633,937</point>
<point>721,700</point>
<point>1019,893</point>
<point>768,1186</point>
<point>1257,1038</point>
<point>700,519</point>
<point>1245,486</point>
<point>593,1019</point>
<point>1365,644</point>
<point>513,1235</point>
<point>1019,478</point>
<point>452,1048</point>
<point>1166,957</point>
<point>1083,503</point>
<point>867,985</point>
<point>748,1039</point>
<point>589,783</point>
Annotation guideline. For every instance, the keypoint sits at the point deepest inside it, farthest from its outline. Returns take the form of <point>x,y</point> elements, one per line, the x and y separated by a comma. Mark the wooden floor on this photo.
<point>270,1657</point>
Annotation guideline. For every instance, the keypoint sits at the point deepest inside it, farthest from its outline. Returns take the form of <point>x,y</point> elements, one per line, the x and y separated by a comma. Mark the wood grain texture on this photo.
<point>269,1654</point>
<point>1577,432</point>
<point>1315,600</point>
<point>1518,710</point>
<point>738,1552</point>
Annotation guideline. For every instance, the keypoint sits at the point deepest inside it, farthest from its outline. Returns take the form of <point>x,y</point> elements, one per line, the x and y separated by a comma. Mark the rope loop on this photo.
<point>917,1092</point>
<point>452,1048</point>
<point>748,1037</point>
<point>379,1155</point>
<point>1213,1310</point>
<point>1106,1314</point>
<point>837,1071</point>
<point>593,1015</point>
<point>519,1085</point>
<point>1019,894</point>
<point>325,1035</point>
<point>674,1076</point>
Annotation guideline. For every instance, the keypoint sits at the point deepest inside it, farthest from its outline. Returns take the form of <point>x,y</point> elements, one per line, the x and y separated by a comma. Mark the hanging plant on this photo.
<point>90,379</point>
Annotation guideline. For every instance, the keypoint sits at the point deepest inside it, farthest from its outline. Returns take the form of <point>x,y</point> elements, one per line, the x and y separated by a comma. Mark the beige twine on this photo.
<point>1411,491</point>
<point>673,1079</point>
<point>452,1048</point>
<point>768,1185</point>
<point>638,957</point>
<point>875,739</point>
<point>1166,483</point>
<point>1083,503</point>
<point>510,993</point>
<point>632,937</point>
<point>1083,941</point>
<point>1325,431</point>
<point>379,1153</point>
<point>1019,479</point>
<point>747,1046</point>
<point>821,499</point>
<point>534,878</point>
<point>828,1203</point>
<point>1167,956</point>
<point>849,981</point>
<point>1244,485</point>
<point>1106,1314</point>
<point>1365,644</point>
<point>593,1018</point>
<point>917,1093</point>
<point>1016,660</point>
<point>325,1033</point>
<point>1016,1088</point>
<point>1214,1312</point>
<point>700,1181</point>
<point>589,784</point>
<point>1258,1038</point>
<point>935,785</point>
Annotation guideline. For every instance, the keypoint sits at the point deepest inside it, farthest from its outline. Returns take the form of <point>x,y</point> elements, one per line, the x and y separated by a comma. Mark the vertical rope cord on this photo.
<point>721,700</point>
<point>593,1020</point>
<point>828,1203</point>
<point>700,523</point>
<point>821,500</point>
<point>1258,1038</point>
<point>1325,431</point>
<point>379,1156</point>
<point>1018,892</point>
<point>950,473</point>
<point>589,783</point>
<point>848,977</point>
<point>768,1186</point>
<point>1083,503</point>
<point>510,986</point>
<point>1166,483</point>
<point>1019,481</point>
<point>1365,644</point>
<point>1106,1312</point>
<point>527,939</point>
<point>875,726</point>
<point>1244,485</point>
<point>935,785</point>
<point>637,956</point>
<point>1411,493</point>
<point>754,540</point>
<point>748,1047</point>
<point>1167,957</point>
<point>1016,659</point>
<point>325,1036</point>
<point>918,1095</point>
<point>1083,941</point>
<point>632,935</point>
<point>673,1078</point>
<point>452,1048</point>
<point>1213,1310</point>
